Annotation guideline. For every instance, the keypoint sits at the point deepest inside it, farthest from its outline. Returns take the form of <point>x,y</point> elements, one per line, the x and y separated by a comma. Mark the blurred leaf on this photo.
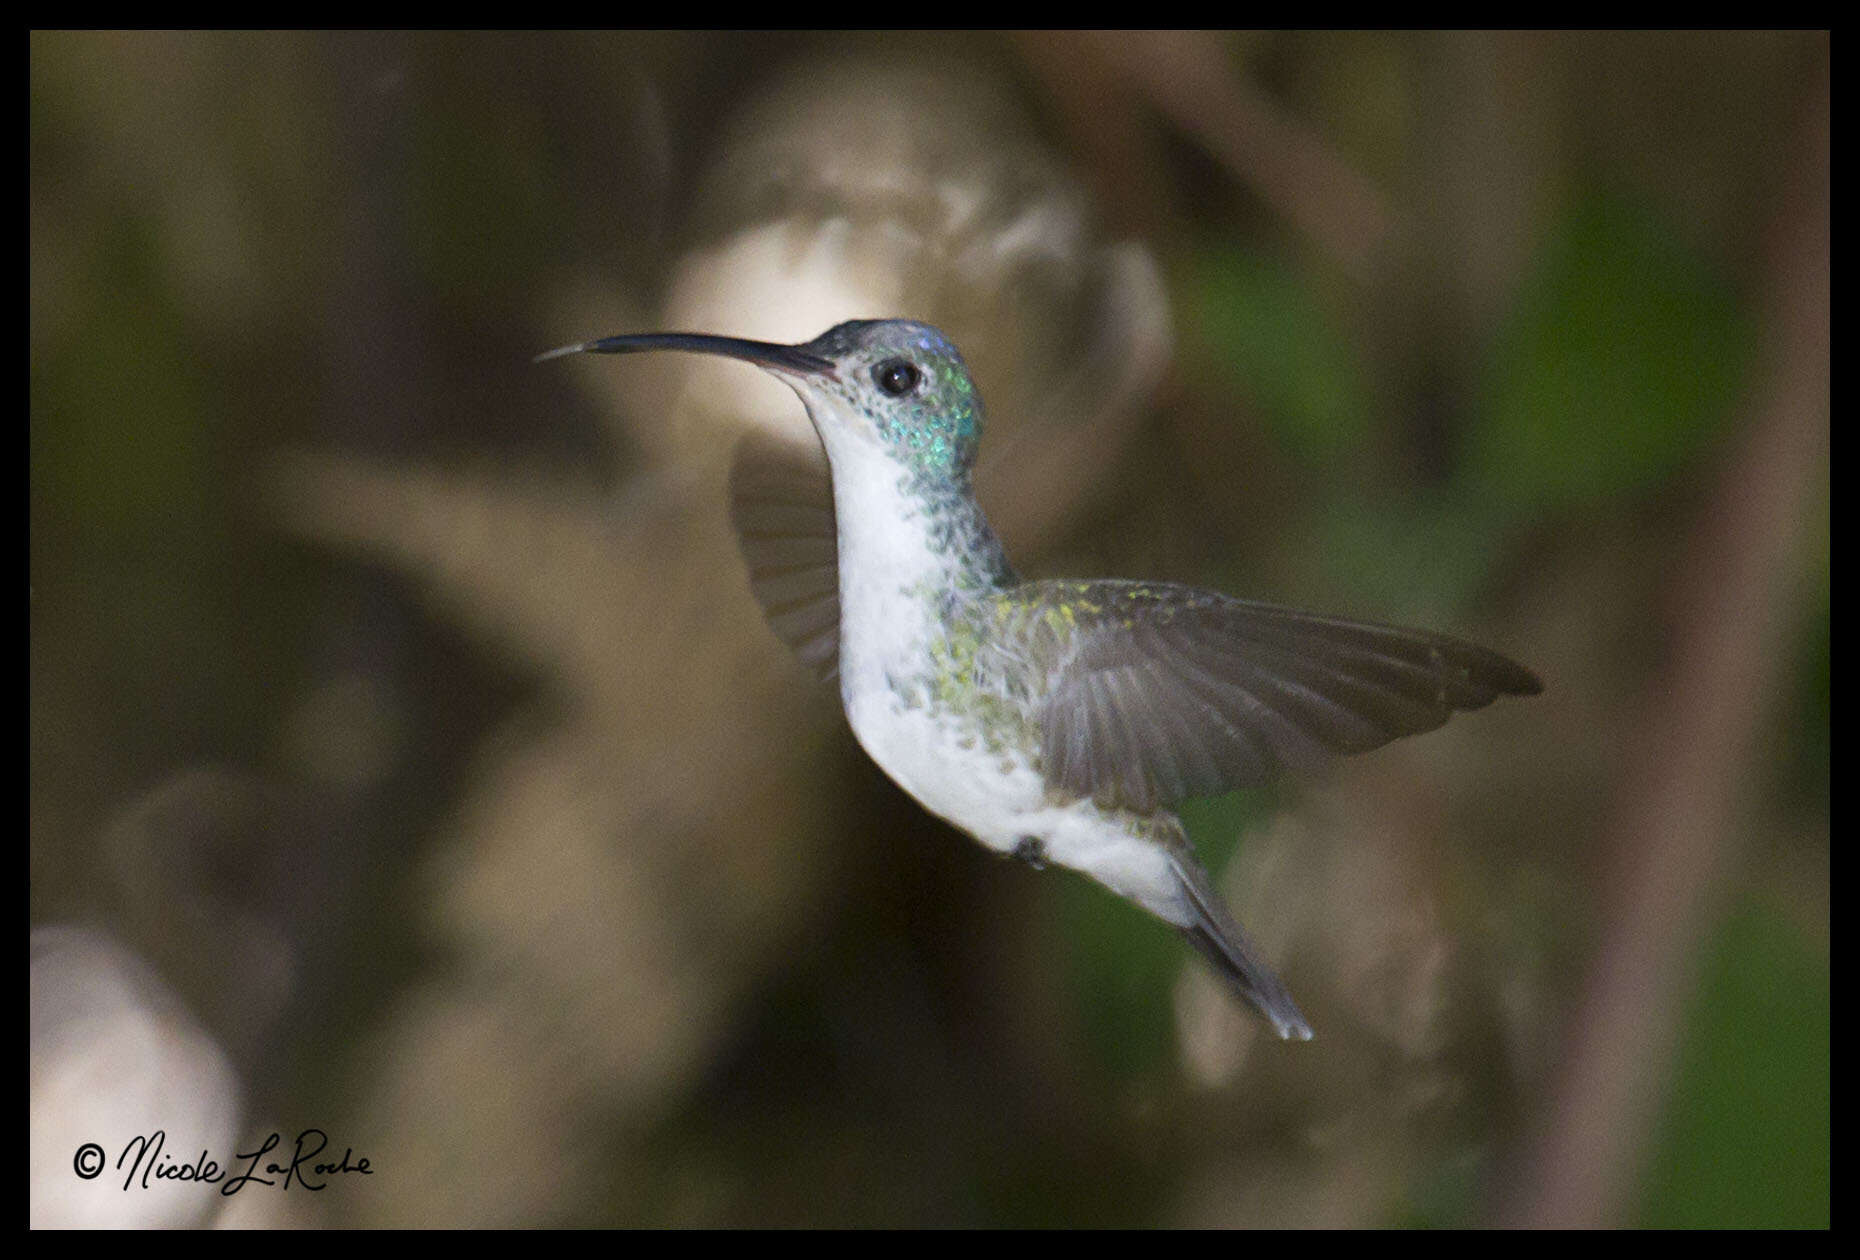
<point>1805,737</point>
<point>483,208</point>
<point>117,437</point>
<point>1123,963</point>
<point>1216,823</point>
<point>1257,322</point>
<point>1747,1134</point>
<point>1624,351</point>
<point>1407,560</point>
<point>1446,1192</point>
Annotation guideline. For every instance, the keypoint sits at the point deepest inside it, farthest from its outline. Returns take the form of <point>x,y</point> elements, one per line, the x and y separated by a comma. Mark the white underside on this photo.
<point>1002,802</point>
<point>886,628</point>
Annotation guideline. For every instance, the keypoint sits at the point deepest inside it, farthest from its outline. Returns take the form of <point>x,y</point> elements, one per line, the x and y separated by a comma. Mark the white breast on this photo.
<point>891,580</point>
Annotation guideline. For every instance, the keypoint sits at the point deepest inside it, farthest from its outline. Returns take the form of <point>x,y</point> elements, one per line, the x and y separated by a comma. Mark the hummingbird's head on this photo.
<point>899,384</point>
<point>890,383</point>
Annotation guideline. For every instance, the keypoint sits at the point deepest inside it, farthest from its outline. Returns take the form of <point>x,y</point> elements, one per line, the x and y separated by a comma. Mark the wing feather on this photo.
<point>781,505</point>
<point>1159,692</point>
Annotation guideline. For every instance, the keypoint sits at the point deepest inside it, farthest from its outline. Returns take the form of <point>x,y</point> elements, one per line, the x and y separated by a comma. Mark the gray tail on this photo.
<point>1213,932</point>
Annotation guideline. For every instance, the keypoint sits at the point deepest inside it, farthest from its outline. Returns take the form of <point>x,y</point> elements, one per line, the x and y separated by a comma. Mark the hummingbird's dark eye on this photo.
<point>897,377</point>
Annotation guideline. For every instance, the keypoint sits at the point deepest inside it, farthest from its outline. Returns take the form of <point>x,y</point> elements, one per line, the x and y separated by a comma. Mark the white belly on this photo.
<point>1002,801</point>
<point>893,571</point>
<point>948,771</point>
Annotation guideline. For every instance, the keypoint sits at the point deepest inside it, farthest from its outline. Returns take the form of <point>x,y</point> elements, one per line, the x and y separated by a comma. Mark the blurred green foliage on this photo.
<point>117,444</point>
<point>1122,965</point>
<point>484,205</point>
<point>1621,355</point>
<point>1748,1135</point>
<point>1265,333</point>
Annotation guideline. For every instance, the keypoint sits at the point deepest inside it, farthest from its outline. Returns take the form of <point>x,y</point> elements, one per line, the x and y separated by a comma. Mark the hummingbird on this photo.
<point>1055,721</point>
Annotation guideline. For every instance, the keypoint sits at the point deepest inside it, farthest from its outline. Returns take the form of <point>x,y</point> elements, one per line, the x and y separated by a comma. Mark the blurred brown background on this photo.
<point>408,758</point>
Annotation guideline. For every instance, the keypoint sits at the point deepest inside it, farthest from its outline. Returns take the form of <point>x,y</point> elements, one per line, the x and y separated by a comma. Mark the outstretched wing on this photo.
<point>1150,693</point>
<point>781,504</point>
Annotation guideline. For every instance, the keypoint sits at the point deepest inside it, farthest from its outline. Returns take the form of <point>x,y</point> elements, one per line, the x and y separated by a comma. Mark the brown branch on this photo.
<point>1185,74</point>
<point>1671,831</point>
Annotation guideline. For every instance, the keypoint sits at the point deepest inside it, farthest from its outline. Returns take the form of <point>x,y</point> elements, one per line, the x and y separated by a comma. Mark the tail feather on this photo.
<point>1217,937</point>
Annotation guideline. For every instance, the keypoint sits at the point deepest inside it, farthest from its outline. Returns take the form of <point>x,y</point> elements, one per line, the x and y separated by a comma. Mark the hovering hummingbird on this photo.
<point>1054,721</point>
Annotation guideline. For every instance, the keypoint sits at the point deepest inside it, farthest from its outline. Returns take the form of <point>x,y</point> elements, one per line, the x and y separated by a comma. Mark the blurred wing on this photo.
<point>1158,692</point>
<point>781,503</point>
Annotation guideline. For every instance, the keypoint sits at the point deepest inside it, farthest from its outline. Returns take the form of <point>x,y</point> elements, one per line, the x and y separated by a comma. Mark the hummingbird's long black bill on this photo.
<point>768,354</point>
